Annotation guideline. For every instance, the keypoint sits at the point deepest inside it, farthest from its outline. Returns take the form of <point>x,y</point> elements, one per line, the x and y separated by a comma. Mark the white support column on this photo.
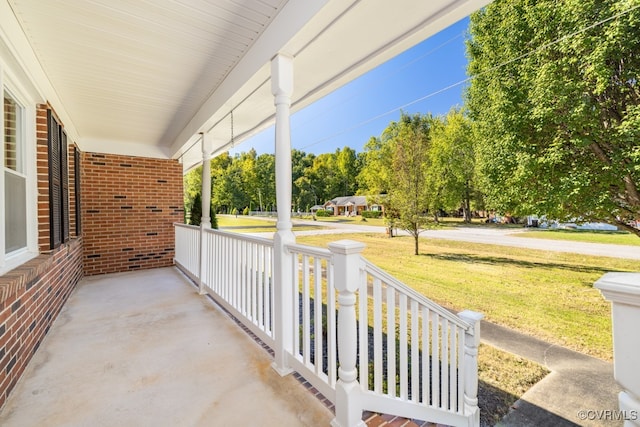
<point>623,290</point>
<point>207,149</point>
<point>471,344</point>
<point>347,263</point>
<point>282,88</point>
<point>205,220</point>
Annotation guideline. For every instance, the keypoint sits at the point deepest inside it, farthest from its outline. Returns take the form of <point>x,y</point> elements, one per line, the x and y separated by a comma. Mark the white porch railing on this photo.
<point>188,249</point>
<point>237,273</point>
<point>362,338</point>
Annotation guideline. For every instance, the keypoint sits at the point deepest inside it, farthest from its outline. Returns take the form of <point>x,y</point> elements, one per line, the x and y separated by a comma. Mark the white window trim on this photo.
<point>16,258</point>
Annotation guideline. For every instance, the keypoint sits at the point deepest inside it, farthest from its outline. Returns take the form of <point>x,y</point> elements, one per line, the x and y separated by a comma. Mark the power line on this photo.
<point>461,82</point>
<point>380,80</point>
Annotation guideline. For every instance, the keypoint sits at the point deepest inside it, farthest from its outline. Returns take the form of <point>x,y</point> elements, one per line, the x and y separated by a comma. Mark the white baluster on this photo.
<point>471,343</point>
<point>347,263</point>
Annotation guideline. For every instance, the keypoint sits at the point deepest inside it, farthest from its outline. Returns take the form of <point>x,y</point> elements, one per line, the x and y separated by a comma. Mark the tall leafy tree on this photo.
<point>556,97</point>
<point>304,189</point>
<point>452,160</point>
<point>409,191</point>
<point>264,193</point>
<point>323,172</point>
<point>375,174</point>
<point>347,169</point>
<point>228,189</point>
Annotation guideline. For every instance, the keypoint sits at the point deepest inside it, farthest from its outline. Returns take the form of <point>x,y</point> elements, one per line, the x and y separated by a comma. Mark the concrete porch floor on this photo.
<point>144,349</point>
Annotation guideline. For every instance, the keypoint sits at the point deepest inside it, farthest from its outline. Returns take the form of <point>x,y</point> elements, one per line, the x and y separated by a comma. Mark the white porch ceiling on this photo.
<point>145,77</point>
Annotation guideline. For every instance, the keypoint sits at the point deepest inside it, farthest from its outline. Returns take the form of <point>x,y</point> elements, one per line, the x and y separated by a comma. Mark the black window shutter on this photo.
<point>55,181</point>
<point>64,170</point>
<point>76,178</point>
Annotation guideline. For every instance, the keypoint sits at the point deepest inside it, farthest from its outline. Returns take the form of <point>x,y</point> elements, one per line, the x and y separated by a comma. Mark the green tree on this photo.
<point>195,210</point>
<point>304,189</point>
<point>265,193</point>
<point>228,191</point>
<point>323,173</point>
<point>375,175</point>
<point>557,104</point>
<point>452,159</point>
<point>346,171</point>
<point>409,189</point>
<point>192,184</point>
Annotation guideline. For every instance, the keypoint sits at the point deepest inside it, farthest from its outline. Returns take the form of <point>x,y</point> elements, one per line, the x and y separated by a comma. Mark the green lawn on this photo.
<point>546,294</point>
<point>358,220</point>
<point>612,237</point>
<point>247,224</point>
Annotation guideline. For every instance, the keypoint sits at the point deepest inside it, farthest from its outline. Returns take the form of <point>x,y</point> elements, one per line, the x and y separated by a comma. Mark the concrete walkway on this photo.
<point>144,349</point>
<point>576,383</point>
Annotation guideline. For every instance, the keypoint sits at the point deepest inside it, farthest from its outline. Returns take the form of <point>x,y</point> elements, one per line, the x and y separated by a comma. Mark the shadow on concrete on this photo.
<point>526,414</point>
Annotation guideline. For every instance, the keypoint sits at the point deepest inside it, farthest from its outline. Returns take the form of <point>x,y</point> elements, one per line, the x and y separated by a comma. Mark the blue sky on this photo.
<point>352,114</point>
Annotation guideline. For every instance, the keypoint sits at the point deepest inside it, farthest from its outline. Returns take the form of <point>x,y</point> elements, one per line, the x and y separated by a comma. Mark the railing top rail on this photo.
<point>239,236</point>
<point>181,225</point>
<point>309,250</point>
<point>421,299</point>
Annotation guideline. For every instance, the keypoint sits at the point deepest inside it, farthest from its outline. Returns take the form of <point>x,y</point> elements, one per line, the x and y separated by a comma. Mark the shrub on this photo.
<point>371,214</point>
<point>245,211</point>
<point>214,219</point>
<point>196,210</point>
<point>322,212</point>
<point>195,213</point>
<point>234,211</point>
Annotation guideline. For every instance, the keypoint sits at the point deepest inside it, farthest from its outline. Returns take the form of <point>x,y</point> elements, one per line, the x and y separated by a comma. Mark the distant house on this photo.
<point>347,205</point>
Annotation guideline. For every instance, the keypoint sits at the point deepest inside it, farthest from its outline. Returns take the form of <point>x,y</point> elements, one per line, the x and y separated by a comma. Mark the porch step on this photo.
<point>380,420</point>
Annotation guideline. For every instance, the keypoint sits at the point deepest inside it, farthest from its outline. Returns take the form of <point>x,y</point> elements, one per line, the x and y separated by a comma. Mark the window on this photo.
<point>15,180</point>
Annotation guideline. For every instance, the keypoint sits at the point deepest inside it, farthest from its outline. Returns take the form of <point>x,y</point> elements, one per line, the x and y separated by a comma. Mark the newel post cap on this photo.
<point>346,247</point>
<point>620,287</point>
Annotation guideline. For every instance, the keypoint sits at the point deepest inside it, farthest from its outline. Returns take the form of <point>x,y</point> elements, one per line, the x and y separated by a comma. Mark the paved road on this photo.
<point>494,236</point>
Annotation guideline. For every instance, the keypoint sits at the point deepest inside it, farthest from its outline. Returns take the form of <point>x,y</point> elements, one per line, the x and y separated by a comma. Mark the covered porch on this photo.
<point>142,348</point>
<point>107,104</point>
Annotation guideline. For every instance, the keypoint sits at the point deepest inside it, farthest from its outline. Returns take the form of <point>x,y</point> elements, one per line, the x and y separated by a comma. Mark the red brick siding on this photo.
<point>72,190</point>
<point>31,296</point>
<point>129,205</point>
<point>44,232</point>
<point>42,150</point>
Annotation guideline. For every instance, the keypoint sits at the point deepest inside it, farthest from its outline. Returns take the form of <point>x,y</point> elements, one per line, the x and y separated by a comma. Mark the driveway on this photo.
<point>494,236</point>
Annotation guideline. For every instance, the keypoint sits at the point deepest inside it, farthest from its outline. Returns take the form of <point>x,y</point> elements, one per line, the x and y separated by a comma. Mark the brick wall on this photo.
<point>42,152</point>
<point>44,233</point>
<point>129,205</point>
<point>31,296</point>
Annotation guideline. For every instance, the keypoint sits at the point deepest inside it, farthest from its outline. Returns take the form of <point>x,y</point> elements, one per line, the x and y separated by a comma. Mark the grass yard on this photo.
<point>357,220</point>
<point>549,295</point>
<point>503,378</point>
<point>247,224</point>
<point>611,237</point>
